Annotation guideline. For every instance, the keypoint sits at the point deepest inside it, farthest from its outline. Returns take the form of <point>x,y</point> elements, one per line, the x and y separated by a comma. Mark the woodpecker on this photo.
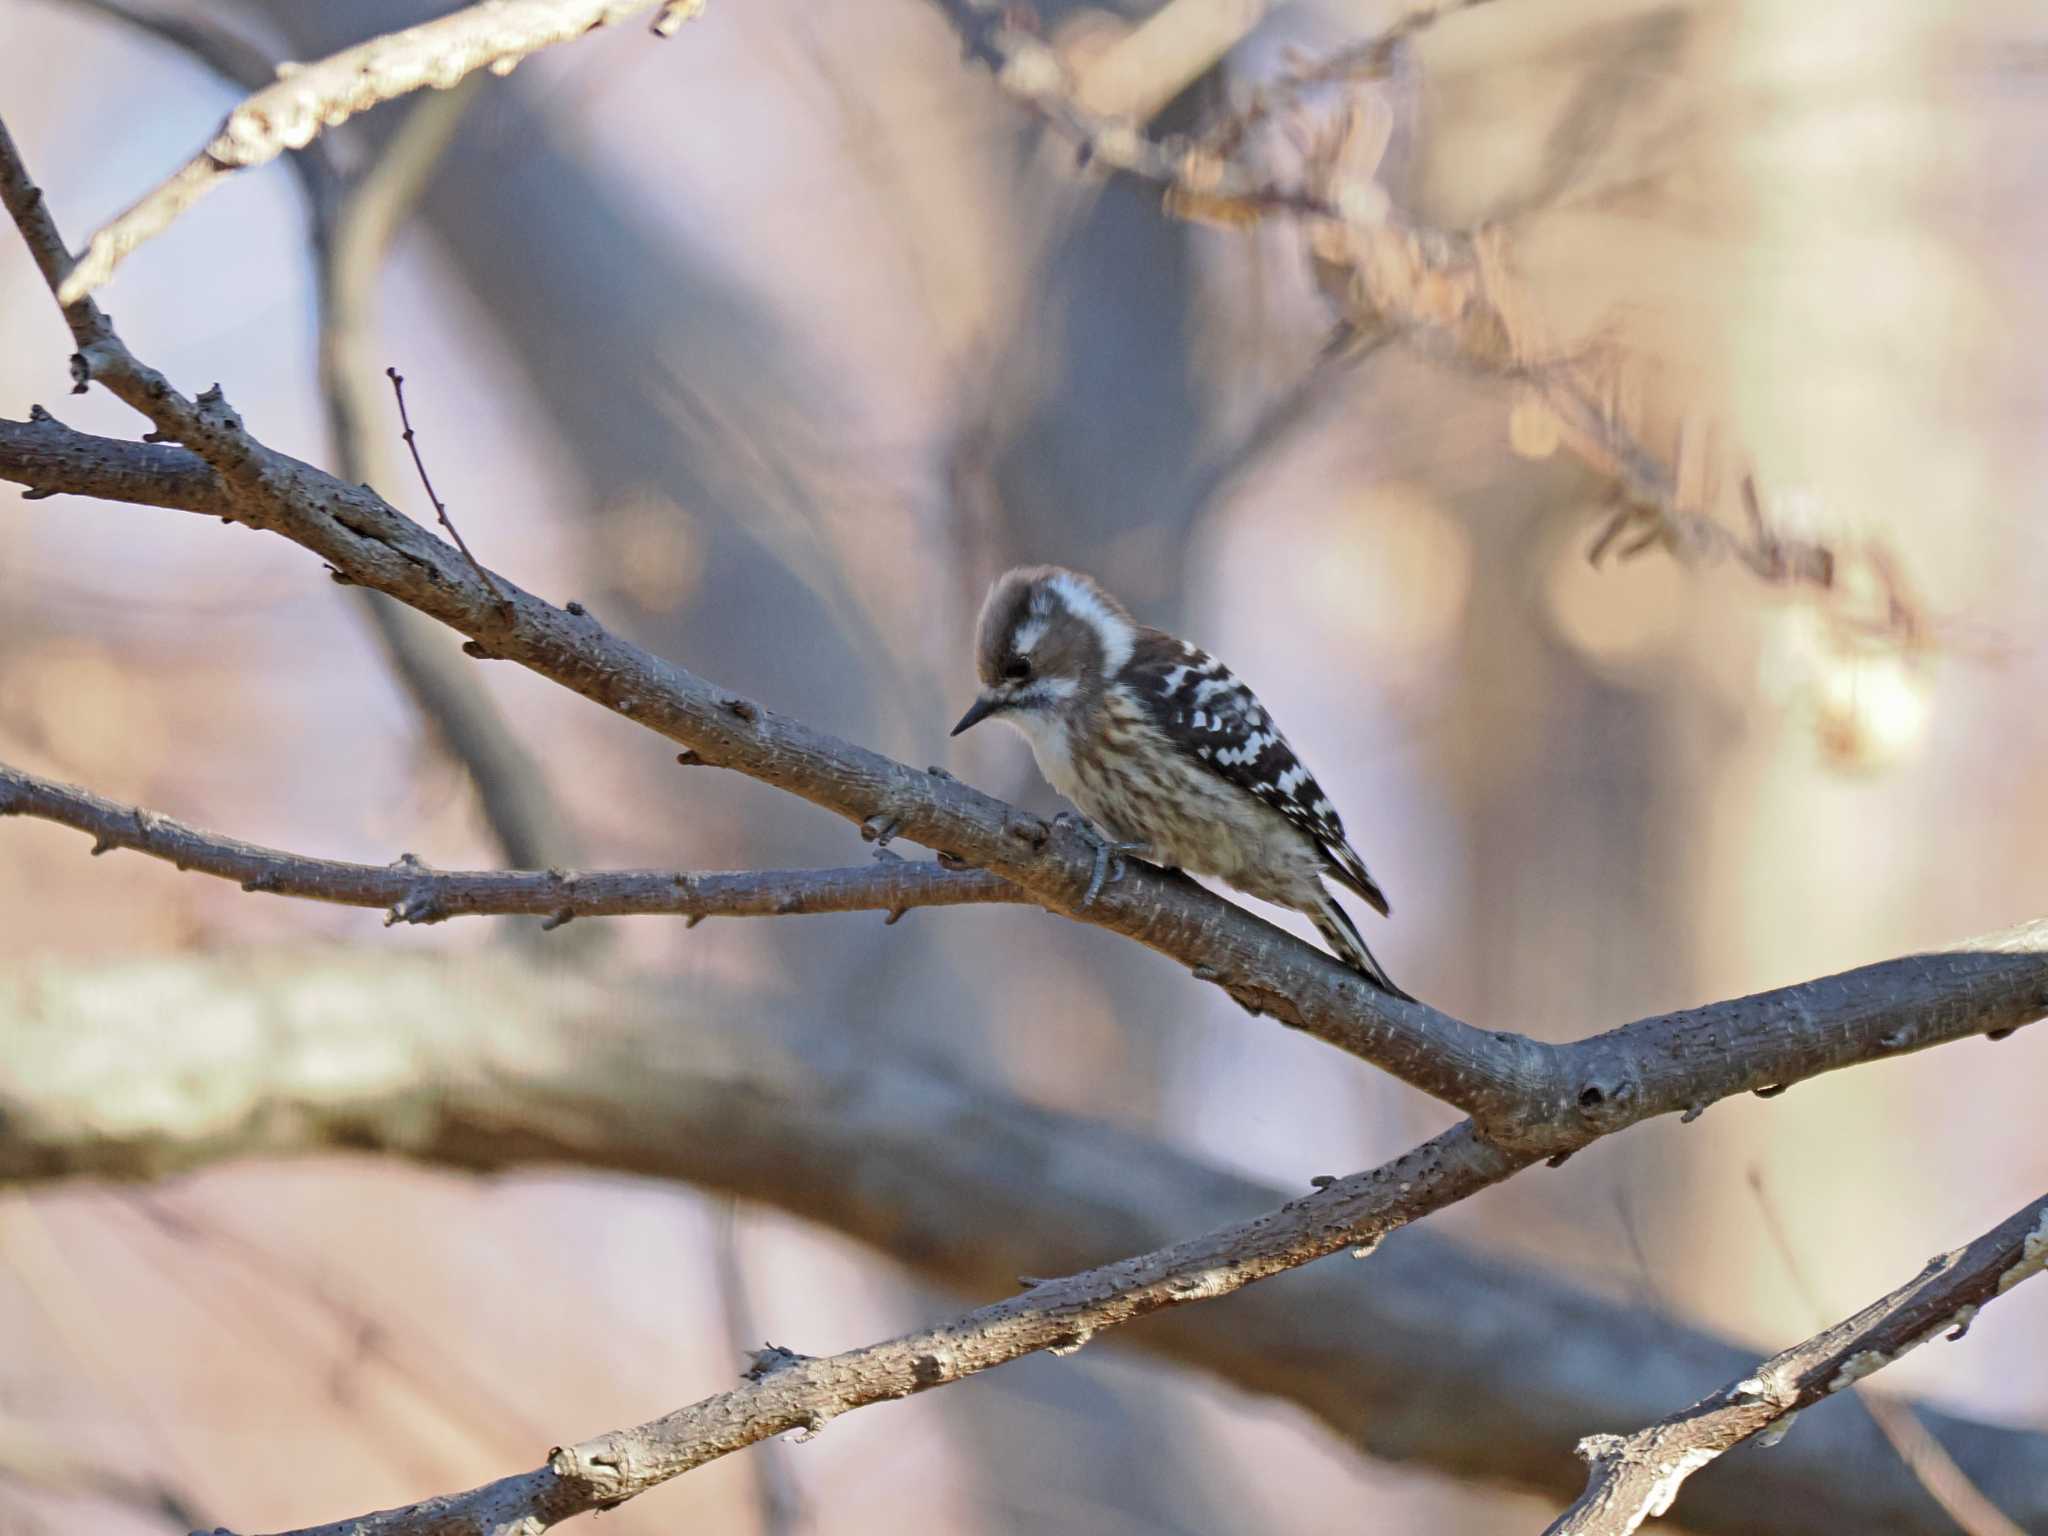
<point>1165,751</point>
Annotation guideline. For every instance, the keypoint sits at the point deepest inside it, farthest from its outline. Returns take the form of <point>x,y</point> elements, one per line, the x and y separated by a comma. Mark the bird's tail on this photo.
<point>1342,935</point>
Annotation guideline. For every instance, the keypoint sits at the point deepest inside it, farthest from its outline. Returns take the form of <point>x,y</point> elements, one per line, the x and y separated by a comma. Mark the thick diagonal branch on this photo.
<point>410,892</point>
<point>1636,1477</point>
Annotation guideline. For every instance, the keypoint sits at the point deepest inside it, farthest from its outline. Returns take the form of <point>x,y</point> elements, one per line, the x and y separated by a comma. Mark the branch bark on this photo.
<point>410,892</point>
<point>308,99</point>
<point>1429,1354</point>
<point>367,541</point>
<point>1529,1101</point>
<point>1059,1315</point>
<point>1636,1477</point>
<point>1535,1097</point>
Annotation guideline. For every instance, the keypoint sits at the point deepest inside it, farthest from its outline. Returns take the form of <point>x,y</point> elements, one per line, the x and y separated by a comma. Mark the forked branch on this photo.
<point>1530,1101</point>
<point>1539,1099</point>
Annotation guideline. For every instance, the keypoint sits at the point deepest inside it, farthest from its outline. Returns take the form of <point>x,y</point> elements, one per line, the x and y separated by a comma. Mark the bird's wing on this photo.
<point>1200,705</point>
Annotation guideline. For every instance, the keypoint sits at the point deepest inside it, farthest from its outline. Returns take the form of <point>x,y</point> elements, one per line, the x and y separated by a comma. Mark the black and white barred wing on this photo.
<point>1204,710</point>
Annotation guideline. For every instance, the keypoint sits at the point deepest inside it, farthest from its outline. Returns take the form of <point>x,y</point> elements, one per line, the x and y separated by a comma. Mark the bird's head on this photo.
<point>1048,641</point>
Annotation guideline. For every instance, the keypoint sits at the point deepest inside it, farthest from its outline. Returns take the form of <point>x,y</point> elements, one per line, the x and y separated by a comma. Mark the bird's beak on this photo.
<point>978,711</point>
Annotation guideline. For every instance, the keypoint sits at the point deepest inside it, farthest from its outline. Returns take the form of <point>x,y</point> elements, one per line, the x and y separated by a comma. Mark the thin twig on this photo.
<point>349,227</point>
<point>440,511</point>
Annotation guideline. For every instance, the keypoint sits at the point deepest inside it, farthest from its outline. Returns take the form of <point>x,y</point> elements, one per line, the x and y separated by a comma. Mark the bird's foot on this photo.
<point>1109,854</point>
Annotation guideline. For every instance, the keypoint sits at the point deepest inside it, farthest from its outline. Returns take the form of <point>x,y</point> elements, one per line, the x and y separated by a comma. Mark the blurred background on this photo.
<point>772,344</point>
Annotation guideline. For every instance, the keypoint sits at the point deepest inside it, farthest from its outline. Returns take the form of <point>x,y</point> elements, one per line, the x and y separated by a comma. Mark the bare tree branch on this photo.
<point>412,893</point>
<point>369,542</point>
<point>52,460</point>
<point>1636,1477</point>
<point>1535,1101</point>
<point>308,99</point>
<point>1919,1451</point>
<point>140,1070</point>
<point>1543,1098</point>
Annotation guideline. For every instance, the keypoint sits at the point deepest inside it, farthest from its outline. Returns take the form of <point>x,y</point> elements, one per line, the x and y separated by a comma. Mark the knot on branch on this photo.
<point>768,1359</point>
<point>1765,1387</point>
<point>603,1466</point>
<point>417,906</point>
<point>1031,831</point>
<point>1604,1095</point>
<point>1595,1450</point>
<point>419,903</point>
<point>1070,1343</point>
<point>217,413</point>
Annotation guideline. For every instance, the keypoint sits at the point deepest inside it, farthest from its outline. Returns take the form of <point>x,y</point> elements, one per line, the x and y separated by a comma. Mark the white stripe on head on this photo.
<point>1086,602</point>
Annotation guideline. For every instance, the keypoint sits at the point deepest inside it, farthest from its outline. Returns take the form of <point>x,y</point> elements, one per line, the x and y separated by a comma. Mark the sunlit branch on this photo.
<point>309,99</point>
<point>1636,1477</point>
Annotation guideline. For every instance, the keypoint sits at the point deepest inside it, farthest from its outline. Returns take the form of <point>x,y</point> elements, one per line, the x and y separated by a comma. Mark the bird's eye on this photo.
<point>1016,669</point>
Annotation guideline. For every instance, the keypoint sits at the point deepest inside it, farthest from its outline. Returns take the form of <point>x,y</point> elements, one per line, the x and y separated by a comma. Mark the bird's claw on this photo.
<point>1109,855</point>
